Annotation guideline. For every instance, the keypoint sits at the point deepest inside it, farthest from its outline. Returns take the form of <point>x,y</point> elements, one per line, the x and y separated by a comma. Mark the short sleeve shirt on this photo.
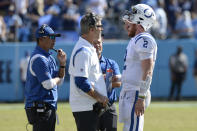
<point>142,46</point>
<point>84,63</point>
<point>110,68</point>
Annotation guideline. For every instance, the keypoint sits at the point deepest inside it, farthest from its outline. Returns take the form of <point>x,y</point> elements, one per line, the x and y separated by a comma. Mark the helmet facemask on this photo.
<point>140,14</point>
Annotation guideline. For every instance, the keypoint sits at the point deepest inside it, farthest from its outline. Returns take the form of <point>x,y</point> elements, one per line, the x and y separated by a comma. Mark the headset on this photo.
<point>91,19</point>
<point>41,30</point>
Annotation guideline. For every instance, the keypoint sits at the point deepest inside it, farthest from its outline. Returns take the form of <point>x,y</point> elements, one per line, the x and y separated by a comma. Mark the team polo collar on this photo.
<point>86,43</point>
<point>102,59</point>
<point>42,51</point>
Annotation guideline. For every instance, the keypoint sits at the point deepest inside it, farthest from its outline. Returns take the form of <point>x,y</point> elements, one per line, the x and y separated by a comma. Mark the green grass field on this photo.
<point>160,116</point>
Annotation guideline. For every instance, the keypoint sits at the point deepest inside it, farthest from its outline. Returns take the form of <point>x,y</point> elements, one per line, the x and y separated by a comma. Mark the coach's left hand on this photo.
<point>139,107</point>
<point>61,55</point>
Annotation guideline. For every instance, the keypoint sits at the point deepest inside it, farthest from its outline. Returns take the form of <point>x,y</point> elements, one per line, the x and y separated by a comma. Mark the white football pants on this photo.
<point>127,114</point>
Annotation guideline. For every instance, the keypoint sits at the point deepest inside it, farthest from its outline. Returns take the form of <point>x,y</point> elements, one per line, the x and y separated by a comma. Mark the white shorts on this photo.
<point>127,114</point>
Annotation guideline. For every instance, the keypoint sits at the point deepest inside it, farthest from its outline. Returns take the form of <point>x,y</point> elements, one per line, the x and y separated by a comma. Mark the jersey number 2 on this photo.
<point>145,44</point>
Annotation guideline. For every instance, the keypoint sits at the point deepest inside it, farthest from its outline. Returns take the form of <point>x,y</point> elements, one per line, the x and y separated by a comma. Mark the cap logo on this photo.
<point>41,31</point>
<point>45,30</point>
<point>148,13</point>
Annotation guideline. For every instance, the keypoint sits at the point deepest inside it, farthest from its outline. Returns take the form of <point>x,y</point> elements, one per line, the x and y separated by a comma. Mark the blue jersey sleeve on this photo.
<point>83,84</point>
<point>41,69</point>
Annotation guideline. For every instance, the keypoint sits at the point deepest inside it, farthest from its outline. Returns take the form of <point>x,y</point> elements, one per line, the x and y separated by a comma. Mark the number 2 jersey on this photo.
<point>142,46</point>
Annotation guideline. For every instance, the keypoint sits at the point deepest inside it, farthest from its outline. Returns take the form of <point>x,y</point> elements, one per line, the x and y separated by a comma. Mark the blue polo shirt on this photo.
<point>42,66</point>
<point>110,68</point>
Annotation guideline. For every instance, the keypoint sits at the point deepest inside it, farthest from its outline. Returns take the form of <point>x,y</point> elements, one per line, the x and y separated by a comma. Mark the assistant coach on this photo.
<point>43,77</point>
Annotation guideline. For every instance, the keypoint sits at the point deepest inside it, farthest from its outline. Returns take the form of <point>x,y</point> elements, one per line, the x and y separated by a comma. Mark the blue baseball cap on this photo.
<point>46,30</point>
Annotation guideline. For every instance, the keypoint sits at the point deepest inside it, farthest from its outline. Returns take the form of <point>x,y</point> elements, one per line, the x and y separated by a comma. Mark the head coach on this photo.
<point>43,76</point>
<point>87,85</point>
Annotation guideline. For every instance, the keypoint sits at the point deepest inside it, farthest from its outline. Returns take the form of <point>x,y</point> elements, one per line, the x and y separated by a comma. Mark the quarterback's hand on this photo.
<point>140,107</point>
<point>61,55</point>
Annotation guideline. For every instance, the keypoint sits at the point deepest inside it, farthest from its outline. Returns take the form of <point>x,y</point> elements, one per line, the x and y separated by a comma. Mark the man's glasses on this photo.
<point>99,26</point>
<point>52,37</point>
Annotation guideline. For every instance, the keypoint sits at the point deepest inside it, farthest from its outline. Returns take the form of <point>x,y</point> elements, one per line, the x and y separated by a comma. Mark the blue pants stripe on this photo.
<point>137,125</point>
<point>133,111</point>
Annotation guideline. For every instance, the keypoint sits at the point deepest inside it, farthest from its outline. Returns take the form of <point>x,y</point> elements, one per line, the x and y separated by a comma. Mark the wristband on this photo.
<point>62,66</point>
<point>141,97</point>
<point>61,81</point>
<point>145,86</point>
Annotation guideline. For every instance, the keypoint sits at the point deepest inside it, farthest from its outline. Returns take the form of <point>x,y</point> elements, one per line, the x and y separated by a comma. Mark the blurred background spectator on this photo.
<point>23,69</point>
<point>183,27</point>
<point>13,22</point>
<point>159,29</point>
<point>175,18</point>
<point>195,67</point>
<point>99,7</point>
<point>2,30</point>
<point>178,64</point>
<point>51,14</point>
<point>70,15</point>
<point>194,23</point>
<point>34,12</point>
<point>4,5</point>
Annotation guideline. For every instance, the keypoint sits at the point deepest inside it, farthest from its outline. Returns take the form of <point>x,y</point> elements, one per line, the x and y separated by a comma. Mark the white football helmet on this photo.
<point>141,14</point>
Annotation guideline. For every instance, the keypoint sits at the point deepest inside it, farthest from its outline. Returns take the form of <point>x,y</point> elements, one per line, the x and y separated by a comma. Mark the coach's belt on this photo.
<point>39,104</point>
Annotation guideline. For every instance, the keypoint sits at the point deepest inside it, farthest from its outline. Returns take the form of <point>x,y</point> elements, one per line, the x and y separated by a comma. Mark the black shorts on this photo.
<point>108,121</point>
<point>86,120</point>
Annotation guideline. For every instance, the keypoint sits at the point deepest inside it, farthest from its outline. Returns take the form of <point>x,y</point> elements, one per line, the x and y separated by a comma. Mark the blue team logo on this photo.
<point>148,13</point>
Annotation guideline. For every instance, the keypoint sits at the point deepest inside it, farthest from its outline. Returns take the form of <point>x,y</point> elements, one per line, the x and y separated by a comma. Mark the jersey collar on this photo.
<point>102,59</point>
<point>86,43</point>
<point>42,51</point>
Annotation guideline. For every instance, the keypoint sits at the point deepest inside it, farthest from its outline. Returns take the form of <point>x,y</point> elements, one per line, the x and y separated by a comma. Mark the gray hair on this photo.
<point>89,20</point>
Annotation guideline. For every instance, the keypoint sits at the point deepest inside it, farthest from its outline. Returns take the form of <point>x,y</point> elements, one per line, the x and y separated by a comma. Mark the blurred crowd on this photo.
<point>20,18</point>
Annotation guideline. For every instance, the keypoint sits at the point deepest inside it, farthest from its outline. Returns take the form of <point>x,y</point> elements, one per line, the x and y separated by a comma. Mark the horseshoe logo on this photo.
<point>148,13</point>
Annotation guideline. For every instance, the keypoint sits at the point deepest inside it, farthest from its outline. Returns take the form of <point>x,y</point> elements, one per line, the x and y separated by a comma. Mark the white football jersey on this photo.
<point>142,46</point>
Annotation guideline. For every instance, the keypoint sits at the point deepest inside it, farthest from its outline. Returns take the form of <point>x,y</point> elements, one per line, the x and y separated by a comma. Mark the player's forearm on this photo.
<point>147,68</point>
<point>61,73</point>
<point>96,95</point>
<point>116,84</point>
<point>93,93</point>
